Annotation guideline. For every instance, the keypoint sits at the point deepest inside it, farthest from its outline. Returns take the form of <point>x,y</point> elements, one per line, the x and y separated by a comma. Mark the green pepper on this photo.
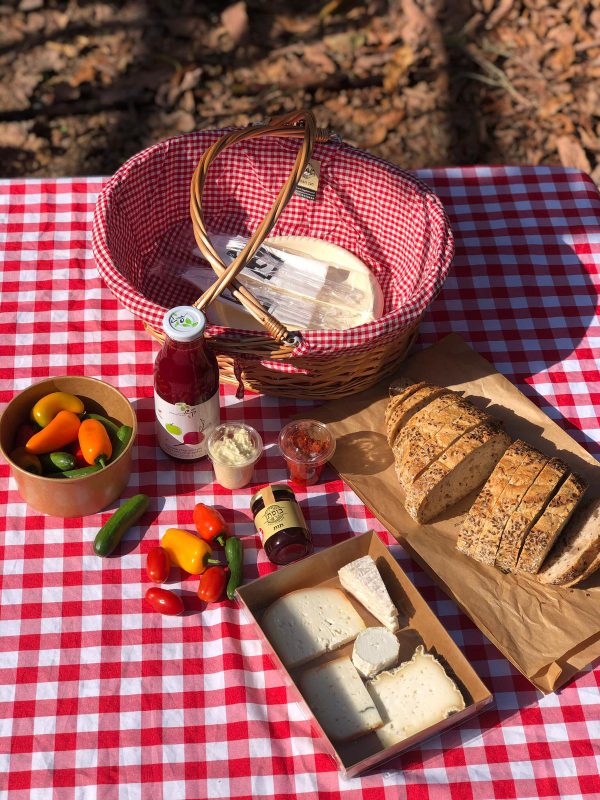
<point>108,424</point>
<point>76,473</point>
<point>121,440</point>
<point>234,552</point>
<point>57,461</point>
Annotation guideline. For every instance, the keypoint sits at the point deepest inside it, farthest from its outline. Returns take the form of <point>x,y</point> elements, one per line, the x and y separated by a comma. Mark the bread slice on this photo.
<point>403,412</point>
<point>306,623</point>
<point>397,399</point>
<point>428,420</point>
<point>418,455</point>
<point>526,515</point>
<point>482,508</point>
<point>362,579</point>
<point>374,650</point>
<point>463,467</point>
<point>339,700</point>
<point>413,697</point>
<point>508,500</point>
<point>553,519</point>
<point>424,425</point>
<point>576,554</point>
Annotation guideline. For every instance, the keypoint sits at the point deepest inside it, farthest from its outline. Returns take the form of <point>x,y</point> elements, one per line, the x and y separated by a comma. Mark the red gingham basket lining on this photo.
<point>142,232</point>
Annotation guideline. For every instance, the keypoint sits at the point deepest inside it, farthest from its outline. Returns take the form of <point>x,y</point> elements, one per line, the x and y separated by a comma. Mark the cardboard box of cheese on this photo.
<point>368,733</point>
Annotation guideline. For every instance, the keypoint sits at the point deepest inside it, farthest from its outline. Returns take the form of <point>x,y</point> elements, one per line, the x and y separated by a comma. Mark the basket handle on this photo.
<point>284,126</point>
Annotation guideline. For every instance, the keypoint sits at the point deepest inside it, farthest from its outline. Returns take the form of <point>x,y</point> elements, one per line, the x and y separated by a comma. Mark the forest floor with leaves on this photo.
<point>419,82</point>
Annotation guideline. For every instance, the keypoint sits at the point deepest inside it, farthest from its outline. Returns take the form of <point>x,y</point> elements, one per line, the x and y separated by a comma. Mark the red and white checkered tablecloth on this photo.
<point>102,698</point>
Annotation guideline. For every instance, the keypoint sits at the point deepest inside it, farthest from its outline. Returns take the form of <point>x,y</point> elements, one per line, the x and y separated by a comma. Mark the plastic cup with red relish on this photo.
<point>306,445</point>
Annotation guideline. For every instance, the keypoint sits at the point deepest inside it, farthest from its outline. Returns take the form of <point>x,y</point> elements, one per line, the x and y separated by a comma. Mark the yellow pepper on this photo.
<point>187,551</point>
<point>27,461</point>
<point>47,407</point>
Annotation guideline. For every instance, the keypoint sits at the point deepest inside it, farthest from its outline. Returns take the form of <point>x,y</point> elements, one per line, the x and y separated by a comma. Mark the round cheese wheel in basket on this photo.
<point>155,218</point>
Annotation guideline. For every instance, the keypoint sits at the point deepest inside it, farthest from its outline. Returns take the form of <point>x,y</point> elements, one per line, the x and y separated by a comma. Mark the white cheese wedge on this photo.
<point>412,697</point>
<point>362,579</point>
<point>306,623</point>
<point>374,650</point>
<point>339,700</point>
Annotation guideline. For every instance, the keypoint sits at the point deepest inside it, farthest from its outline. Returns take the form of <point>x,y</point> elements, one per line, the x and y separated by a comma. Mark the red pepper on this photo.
<point>212,584</point>
<point>209,523</point>
<point>24,433</point>
<point>75,450</point>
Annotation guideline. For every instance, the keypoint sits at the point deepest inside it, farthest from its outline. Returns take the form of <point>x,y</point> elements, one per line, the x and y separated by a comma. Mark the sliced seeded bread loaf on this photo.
<point>546,530</point>
<point>464,466</point>
<point>523,476</point>
<point>576,554</point>
<point>404,411</point>
<point>482,508</point>
<point>421,454</point>
<point>396,400</point>
<point>526,515</point>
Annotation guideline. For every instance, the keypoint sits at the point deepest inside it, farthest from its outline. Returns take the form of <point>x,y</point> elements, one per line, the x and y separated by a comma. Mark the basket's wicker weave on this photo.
<point>307,364</point>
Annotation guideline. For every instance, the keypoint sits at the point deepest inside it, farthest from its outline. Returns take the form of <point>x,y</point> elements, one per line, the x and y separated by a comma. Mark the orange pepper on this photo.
<point>95,442</point>
<point>187,551</point>
<point>60,432</point>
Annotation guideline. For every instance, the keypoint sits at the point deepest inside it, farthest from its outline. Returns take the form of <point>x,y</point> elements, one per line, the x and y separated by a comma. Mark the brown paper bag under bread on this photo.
<point>548,633</point>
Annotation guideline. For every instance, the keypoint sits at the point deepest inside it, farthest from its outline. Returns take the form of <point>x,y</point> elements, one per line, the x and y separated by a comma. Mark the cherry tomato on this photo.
<point>24,433</point>
<point>158,565</point>
<point>209,523</point>
<point>212,584</point>
<point>164,601</point>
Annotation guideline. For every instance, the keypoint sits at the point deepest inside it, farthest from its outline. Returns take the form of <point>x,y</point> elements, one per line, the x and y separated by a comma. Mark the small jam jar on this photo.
<point>306,445</point>
<point>280,522</point>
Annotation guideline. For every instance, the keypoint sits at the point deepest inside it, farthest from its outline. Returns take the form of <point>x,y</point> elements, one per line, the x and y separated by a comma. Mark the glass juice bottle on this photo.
<point>186,386</point>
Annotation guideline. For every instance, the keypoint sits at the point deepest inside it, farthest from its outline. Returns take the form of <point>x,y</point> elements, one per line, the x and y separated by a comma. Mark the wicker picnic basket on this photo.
<point>143,235</point>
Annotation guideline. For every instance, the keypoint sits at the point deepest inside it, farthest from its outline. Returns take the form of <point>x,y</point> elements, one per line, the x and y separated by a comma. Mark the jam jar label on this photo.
<point>183,430</point>
<point>277,517</point>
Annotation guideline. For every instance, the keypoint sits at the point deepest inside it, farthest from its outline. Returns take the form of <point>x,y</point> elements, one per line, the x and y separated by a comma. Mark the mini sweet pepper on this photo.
<point>57,434</point>
<point>47,407</point>
<point>187,551</point>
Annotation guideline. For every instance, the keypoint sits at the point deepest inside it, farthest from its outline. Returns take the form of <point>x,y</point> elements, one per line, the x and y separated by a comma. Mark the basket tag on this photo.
<point>309,182</point>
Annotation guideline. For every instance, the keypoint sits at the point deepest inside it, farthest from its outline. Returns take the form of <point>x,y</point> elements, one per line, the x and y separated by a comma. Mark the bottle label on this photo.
<point>183,430</point>
<point>278,516</point>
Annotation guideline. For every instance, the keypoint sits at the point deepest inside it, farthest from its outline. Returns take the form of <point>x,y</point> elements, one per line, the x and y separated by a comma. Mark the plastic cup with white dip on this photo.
<point>234,448</point>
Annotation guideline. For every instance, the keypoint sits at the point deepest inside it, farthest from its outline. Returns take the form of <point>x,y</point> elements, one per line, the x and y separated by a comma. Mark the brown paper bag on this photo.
<point>549,634</point>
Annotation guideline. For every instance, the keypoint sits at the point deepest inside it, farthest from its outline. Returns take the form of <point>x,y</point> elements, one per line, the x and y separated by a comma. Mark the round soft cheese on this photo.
<point>375,649</point>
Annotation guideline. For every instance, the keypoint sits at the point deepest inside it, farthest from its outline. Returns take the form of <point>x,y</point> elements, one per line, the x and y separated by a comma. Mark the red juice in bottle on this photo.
<point>186,386</point>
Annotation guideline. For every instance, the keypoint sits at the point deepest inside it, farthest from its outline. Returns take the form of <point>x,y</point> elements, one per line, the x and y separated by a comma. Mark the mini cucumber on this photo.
<point>110,534</point>
<point>58,462</point>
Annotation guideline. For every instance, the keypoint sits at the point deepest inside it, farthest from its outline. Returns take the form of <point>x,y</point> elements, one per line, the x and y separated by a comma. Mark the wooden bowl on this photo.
<point>76,497</point>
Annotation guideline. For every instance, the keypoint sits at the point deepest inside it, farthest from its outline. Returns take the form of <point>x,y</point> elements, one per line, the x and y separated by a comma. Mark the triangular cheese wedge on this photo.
<point>362,579</point>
